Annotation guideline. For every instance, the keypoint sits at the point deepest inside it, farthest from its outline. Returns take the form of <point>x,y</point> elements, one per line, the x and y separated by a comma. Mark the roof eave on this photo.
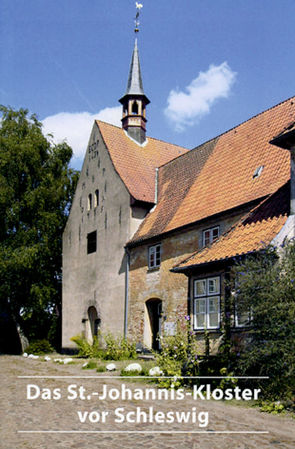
<point>192,267</point>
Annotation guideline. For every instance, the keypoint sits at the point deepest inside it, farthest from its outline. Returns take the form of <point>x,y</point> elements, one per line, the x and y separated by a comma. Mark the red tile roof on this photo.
<point>252,233</point>
<point>136,164</point>
<point>225,180</point>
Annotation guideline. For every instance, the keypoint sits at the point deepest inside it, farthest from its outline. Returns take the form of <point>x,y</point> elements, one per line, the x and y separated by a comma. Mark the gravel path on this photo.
<point>17,413</point>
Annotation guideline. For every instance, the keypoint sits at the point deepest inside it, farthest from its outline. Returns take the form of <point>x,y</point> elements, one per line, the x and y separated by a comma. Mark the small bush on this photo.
<point>272,407</point>
<point>39,347</point>
<point>90,365</point>
<point>101,369</point>
<point>178,356</point>
<point>86,349</point>
<point>116,348</point>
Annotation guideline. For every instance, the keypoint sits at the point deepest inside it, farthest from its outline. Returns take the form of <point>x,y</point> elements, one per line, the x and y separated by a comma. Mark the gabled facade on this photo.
<point>116,189</point>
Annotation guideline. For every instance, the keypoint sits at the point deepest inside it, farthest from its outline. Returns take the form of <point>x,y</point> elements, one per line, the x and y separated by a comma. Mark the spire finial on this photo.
<point>136,21</point>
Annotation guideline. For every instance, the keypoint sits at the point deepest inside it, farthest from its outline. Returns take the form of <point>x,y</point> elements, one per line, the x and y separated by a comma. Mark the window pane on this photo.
<point>213,285</point>
<point>213,305</point>
<point>158,255</point>
<point>201,306</point>
<point>243,317</point>
<point>213,320</point>
<point>200,288</point>
<point>206,237</point>
<point>200,321</point>
<point>215,233</point>
<point>151,257</point>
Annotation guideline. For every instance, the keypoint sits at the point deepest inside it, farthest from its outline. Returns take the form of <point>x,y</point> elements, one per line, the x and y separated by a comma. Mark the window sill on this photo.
<point>151,270</point>
<point>210,331</point>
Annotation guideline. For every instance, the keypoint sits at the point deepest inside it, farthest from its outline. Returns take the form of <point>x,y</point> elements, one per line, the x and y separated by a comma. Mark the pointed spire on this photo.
<point>134,85</point>
<point>134,101</point>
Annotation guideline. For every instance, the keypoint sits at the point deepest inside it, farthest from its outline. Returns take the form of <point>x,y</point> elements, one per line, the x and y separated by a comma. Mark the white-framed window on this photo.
<point>242,318</point>
<point>209,235</point>
<point>207,303</point>
<point>154,256</point>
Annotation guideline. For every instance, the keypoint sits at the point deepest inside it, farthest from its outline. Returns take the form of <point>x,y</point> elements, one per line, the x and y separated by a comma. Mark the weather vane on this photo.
<point>138,8</point>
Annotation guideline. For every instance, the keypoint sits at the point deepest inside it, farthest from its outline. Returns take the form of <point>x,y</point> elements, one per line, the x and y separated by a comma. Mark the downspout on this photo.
<point>127,253</point>
<point>156,185</point>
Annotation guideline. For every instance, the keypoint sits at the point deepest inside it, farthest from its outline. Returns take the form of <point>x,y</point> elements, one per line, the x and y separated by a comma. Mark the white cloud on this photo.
<point>75,128</point>
<point>185,108</point>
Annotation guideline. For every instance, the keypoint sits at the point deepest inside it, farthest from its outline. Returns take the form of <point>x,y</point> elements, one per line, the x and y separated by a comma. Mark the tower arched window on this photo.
<point>135,108</point>
<point>96,198</point>
<point>89,204</point>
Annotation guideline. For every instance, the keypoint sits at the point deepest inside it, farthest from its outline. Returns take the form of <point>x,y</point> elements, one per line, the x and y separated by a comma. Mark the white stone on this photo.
<point>25,354</point>
<point>32,356</point>
<point>84,364</point>
<point>111,367</point>
<point>156,371</point>
<point>134,367</point>
<point>47,358</point>
<point>58,360</point>
<point>67,360</point>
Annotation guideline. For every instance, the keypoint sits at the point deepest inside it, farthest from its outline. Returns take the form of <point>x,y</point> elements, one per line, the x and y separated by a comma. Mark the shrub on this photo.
<point>86,349</point>
<point>116,348</point>
<point>90,365</point>
<point>39,347</point>
<point>101,369</point>
<point>178,356</point>
<point>267,288</point>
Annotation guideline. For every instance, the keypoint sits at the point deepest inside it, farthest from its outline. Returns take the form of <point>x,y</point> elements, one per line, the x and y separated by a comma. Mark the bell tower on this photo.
<point>134,101</point>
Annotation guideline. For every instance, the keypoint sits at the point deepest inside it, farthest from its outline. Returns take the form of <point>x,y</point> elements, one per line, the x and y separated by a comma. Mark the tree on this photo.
<point>36,192</point>
<point>266,290</point>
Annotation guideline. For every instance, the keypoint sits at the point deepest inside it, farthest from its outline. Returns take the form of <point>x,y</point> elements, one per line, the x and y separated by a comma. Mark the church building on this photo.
<point>154,228</point>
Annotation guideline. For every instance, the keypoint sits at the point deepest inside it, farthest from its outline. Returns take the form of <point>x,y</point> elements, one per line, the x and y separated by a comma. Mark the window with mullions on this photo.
<point>209,235</point>
<point>207,303</point>
<point>154,256</point>
<point>242,316</point>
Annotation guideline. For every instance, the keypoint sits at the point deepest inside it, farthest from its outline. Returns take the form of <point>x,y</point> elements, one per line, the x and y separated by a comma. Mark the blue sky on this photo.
<point>206,65</point>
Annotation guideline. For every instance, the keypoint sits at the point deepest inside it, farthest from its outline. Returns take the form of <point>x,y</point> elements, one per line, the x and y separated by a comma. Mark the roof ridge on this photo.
<point>248,120</point>
<point>231,129</point>
<point>169,143</point>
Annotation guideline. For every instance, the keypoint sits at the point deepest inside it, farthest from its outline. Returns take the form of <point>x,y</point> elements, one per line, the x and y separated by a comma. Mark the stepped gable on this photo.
<point>253,233</point>
<point>226,179</point>
<point>135,163</point>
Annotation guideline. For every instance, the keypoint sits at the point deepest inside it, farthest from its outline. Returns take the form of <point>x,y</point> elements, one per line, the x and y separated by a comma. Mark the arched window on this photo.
<point>96,198</point>
<point>89,204</point>
<point>135,108</point>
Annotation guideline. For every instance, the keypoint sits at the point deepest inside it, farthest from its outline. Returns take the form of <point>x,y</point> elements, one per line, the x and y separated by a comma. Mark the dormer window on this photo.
<point>258,171</point>
<point>209,235</point>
